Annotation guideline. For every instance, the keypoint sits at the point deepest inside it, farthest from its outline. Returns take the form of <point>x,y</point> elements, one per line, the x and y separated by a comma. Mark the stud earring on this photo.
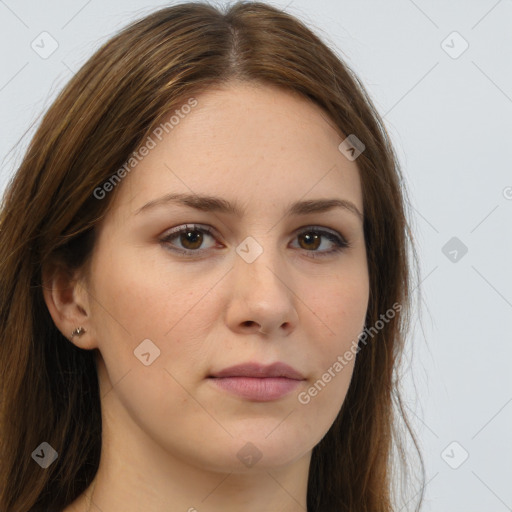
<point>78,332</point>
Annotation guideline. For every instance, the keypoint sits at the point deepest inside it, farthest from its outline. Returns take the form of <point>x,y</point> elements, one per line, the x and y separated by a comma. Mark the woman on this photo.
<point>205,279</point>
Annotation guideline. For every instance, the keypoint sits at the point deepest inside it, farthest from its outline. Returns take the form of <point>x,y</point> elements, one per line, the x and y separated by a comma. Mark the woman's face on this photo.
<point>265,285</point>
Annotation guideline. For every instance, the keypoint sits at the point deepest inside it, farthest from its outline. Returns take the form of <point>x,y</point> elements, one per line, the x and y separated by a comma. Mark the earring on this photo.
<point>78,332</point>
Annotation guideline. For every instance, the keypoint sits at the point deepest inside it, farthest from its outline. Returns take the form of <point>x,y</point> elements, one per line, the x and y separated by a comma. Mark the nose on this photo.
<point>261,297</point>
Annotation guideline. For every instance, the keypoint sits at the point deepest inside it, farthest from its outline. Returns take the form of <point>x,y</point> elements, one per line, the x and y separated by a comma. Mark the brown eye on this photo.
<point>188,239</point>
<point>191,239</point>
<point>310,241</point>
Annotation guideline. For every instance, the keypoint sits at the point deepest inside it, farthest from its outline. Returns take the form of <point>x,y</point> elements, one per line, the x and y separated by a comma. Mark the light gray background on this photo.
<point>451,122</point>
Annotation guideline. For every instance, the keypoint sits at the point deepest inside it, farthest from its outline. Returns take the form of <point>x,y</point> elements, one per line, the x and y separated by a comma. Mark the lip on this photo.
<point>257,382</point>
<point>258,370</point>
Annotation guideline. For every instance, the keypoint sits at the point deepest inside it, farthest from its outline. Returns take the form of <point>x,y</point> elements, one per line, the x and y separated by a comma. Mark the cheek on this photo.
<point>150,295</point>
<point>157,300</point>
<point>320,402</point>
<point>335,353</point>
<point>136,301</point>
<point>341,304</point>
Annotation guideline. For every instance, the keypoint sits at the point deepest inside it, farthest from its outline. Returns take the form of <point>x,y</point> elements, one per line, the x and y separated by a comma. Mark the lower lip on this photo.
<point>256,388</point>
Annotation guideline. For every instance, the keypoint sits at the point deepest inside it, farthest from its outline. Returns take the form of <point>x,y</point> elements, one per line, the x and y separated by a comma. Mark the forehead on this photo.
<point>248,143</point>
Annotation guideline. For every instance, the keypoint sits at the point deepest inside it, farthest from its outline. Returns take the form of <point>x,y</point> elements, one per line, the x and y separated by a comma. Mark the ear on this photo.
<point>66,297</point>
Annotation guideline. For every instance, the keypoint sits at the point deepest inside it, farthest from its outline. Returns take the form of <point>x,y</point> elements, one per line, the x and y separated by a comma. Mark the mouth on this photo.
<point>257,382</point>
<point>259,371</point>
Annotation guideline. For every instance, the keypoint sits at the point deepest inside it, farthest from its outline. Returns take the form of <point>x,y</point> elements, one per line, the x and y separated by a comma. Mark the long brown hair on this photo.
<point>49,388</point>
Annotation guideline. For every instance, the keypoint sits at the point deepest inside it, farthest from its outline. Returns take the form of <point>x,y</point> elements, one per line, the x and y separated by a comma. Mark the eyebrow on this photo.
<point>216,204</point>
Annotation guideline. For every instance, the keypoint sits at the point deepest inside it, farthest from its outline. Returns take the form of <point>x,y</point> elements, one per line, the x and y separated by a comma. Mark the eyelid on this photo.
<point>322,229</point>
<point>340,241</point>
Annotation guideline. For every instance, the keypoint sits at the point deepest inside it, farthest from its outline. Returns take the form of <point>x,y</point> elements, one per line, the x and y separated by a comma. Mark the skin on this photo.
<point>171,437</point>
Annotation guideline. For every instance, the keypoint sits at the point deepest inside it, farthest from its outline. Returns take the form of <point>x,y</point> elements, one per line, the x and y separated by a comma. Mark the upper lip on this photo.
<point>258,370</point>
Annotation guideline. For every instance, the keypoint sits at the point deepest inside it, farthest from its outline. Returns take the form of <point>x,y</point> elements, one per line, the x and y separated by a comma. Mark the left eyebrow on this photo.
<point>217,204</point>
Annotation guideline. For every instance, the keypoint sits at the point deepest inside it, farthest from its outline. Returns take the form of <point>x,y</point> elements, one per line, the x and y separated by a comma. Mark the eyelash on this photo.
<point>340,242</point>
